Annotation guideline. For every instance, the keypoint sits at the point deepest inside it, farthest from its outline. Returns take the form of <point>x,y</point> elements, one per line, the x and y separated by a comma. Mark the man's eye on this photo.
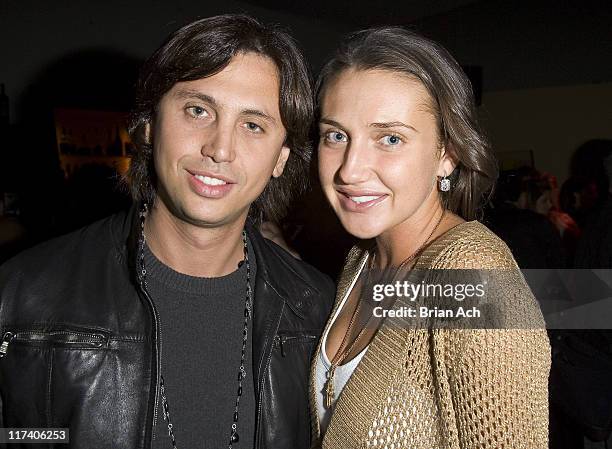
<point>197,111</point>
<point>336,137</point>
<point>391,140</point>
<point>253,127</point>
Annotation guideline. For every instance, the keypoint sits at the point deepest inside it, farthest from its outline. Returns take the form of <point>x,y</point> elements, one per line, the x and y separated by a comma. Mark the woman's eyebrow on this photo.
<point>331,122</point>
<point>391,125</point>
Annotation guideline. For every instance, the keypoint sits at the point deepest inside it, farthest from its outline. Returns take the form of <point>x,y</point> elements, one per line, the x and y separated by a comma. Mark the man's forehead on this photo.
<point>248,82</point>
<point>243,69</point>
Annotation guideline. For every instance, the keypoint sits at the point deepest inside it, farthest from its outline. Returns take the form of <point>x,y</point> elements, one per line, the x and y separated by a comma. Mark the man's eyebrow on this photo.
<point>391,125</point>
<point>258,113</point>
<point>187,93</point>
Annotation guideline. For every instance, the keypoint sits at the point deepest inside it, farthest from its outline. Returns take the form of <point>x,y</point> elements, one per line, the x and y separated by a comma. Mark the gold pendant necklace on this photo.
<point>329,389</point>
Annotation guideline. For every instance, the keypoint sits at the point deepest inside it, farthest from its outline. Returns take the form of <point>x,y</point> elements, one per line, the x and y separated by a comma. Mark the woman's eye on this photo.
<point>197,111</point>
<point>336,137</point>
<point>253,127</point>
<point>391,140</point>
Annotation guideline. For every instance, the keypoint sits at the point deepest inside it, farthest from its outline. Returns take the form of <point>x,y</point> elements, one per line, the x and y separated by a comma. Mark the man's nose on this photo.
<point>220,145</point>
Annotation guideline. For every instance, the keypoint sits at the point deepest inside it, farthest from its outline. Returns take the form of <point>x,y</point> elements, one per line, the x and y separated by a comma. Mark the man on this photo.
<point>594,249</point>
<point>221,129</point>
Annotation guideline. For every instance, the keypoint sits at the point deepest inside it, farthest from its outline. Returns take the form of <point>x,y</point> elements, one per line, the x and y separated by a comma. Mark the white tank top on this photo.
<point>343,372</point>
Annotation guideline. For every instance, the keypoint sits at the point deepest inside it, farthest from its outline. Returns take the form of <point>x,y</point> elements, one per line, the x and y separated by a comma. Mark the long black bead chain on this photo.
<point>248,307</point>
<point>248,311</point>
<point>166,411</point>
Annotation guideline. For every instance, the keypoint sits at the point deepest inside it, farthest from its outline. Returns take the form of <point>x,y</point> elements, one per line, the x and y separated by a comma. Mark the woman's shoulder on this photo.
<point>469,245</point>
<point>353,262</point>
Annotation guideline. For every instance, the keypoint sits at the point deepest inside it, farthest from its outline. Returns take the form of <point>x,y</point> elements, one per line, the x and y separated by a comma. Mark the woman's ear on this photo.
<point>447,162</point>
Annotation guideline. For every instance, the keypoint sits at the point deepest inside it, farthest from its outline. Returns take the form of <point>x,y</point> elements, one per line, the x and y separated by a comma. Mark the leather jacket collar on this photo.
<point>295,293</point>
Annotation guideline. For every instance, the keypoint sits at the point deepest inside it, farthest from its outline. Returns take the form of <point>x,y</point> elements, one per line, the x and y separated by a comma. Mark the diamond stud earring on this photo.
<point>445,184</point>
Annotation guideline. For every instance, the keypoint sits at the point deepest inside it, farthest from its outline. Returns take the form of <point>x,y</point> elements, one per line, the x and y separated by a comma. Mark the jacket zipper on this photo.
<point>157,340</point>
<point>261,381</point>
<point>6,340</point>
<point>281,340</point>
<point>88,339</point>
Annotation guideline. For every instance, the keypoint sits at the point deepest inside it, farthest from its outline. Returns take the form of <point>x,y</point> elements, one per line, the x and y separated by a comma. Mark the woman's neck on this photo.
<point>407,238</point>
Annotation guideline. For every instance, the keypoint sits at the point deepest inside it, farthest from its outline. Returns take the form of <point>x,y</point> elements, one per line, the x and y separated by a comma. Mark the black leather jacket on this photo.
<point>84,344</point>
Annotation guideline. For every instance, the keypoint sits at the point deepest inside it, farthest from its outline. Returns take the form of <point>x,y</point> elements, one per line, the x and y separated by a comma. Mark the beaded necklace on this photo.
<point>248,307</point>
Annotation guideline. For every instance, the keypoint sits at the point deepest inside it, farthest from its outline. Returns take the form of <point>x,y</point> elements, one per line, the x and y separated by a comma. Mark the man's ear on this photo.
<point>147,133</point>
<point>447,163</point>
<point>281,161</point>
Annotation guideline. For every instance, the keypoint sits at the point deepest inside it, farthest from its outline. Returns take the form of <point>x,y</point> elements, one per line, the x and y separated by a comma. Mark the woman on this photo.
<point>403,162</point>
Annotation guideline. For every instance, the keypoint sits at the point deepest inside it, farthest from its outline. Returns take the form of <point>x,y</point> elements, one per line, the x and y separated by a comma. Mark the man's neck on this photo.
<point>193,250</point>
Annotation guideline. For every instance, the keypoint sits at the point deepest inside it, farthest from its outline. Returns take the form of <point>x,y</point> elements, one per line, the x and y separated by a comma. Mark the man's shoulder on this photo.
<point>297,269</point>
<point>59,254</point>
<point>294,277</point>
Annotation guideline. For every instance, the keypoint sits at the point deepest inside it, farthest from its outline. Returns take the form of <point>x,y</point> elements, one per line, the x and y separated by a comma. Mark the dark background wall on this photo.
<point>546,72</point>
<point>527,44</point>
<point>35,35</point>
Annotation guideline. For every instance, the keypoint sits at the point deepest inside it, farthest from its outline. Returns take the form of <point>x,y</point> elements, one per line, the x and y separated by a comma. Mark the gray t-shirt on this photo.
<point>202,321</point>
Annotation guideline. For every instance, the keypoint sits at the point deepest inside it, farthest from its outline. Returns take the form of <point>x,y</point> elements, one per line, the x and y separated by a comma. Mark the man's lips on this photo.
<point>209,185</point>
<point>209,178</point>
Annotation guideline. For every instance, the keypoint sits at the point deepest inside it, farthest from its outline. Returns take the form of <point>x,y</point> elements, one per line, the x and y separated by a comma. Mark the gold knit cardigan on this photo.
<point>441,388</point>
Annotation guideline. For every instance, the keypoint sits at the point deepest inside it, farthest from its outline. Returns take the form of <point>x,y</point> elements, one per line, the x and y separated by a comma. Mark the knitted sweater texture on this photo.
<point>448,388</point>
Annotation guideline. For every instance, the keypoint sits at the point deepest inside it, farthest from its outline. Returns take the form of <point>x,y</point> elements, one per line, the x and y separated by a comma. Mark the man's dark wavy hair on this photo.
<point>204,48</point>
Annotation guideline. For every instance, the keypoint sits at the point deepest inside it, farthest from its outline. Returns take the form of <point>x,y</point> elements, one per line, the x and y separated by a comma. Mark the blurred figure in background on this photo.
<point>566,225</point>
<point>588,165</point>
<point>522,202</point>
<point>580,387</point>
<point>577,197</point>
<point>594,160</point>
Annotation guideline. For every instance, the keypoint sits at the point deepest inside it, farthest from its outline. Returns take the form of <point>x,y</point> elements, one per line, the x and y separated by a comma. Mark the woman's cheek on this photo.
<point>327,167</point>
